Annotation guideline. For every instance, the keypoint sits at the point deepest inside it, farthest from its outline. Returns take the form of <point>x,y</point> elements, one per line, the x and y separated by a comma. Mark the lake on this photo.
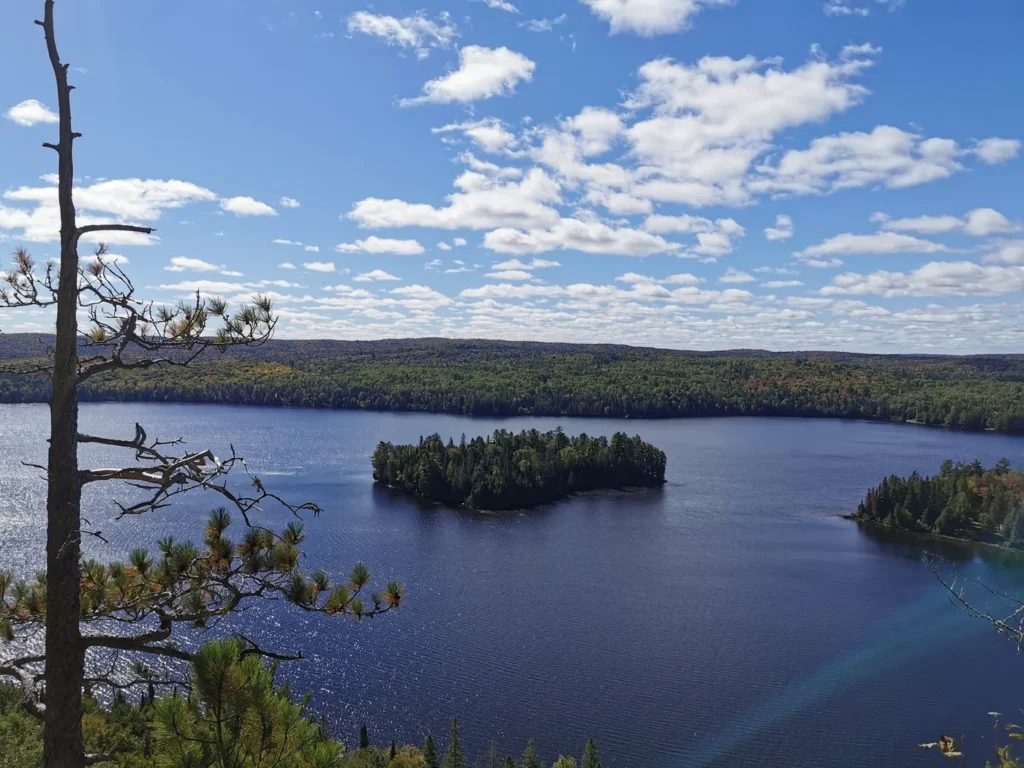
<point>728,619</point>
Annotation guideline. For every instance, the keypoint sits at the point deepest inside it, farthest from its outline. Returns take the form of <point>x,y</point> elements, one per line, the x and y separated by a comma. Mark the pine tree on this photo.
<point>393,752</point>
<point>495,761</point>
<point>453,757</point>
<point>530,756</point>
<point>510,762</point>
<point>430,753</point>
<point>364,737</point>
<point>590,759</point>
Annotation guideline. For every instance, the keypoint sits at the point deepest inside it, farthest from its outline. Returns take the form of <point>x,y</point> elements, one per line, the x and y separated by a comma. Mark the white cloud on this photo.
<point>482,74</point>
<point>246,206</point>
<point>382,245</point>
<point>881,242</point>
<point>733,275</point>
<point>543,25</point>
<point>183,264</point>
<point>281,241</point>
<point>578,235</point>
<point>286,265</point>
<point>937,278</point>
<point>375,275</point>
<point>781,284</point>
<point>1008,252</point>
<point>319,266</point>
<point>31,112</point>
<point>459,242</point>
<point>994,150</point>
<point>823,263</point>
<point>312,249</point>
<point>650,17</point>
<point>289,202</point>
<point>490,134</point>
<point>205,286</point>
<point>444,246</point>
<point>482,203</point>
<point>511,274</point>
<point>839,8</point>
<point>416,32</point>
<point>980,222</point>
<point>119,201</point>
<point>500,5</point>
<point>888,156</point>
<point>713,237</point>
<point>533,264</point>
<point>783,229</point>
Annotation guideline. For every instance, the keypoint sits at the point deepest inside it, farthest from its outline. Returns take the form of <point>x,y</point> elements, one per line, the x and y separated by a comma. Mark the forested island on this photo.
<point>514,471</point>
<point>964,501</point>
<point>500,378</point>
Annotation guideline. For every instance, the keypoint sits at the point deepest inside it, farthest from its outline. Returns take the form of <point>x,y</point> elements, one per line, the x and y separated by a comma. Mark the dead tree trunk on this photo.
<point>65,653</point>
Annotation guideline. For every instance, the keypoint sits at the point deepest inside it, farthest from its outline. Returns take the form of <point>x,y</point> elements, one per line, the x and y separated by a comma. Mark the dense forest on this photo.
<point>514,471</point>
<point>496,378</point>
<point>964,500</point>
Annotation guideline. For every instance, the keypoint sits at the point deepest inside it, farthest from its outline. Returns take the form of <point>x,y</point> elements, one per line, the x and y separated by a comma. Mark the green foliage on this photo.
<point>963,500</point>
<point>453,757</point>
<point>564,762</point>
<point>494,378</point>
<point>430,753</point>
<point>590,759</point>
<point>530,759</point>
<point>511,471</point>
<point>236,717</point>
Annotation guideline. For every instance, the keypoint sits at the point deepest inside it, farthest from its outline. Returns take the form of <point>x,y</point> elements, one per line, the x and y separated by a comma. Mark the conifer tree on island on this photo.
<point>74,599</point>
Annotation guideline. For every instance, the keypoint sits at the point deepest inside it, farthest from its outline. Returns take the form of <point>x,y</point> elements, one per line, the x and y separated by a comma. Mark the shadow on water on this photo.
<point>915,546</point>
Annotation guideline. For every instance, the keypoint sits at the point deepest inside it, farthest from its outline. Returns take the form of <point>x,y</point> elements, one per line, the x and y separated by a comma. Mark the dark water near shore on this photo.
<point>729,619</point>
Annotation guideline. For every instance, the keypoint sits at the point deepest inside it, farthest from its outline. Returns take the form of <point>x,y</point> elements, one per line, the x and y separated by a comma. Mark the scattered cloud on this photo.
<point>783,229</point>
<point>650,17</point>
<point>377,275</point>
<point>511,274</point>
<point>289,202</point>
<point>286,265</point>
<point>482,74</point>
<point>382,245</point>
<point>994,151</point>
<point>311,249</point>
<point>533,264</point>
<point>500,5</point>
<point>733,275</point>
<point>490,134</point>
<point>981,222</point>
<point>416,32</point>
<point>839,8</point>
<point>937,278</point>
<point>184,264</point>
<point>781,284</point>
<point>543,25</point>
<point>579,235</point>
<point>319,266</point>
<point>246,206</point>
<point>281,241</point>
<point>31,112</point>
<point>878,243</point>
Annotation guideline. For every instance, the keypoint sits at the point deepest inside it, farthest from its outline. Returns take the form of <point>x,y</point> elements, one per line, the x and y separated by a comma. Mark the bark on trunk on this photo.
<point>65,654</point>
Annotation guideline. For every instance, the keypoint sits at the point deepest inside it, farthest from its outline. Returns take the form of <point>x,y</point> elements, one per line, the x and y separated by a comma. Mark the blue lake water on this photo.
<point>729,619</point>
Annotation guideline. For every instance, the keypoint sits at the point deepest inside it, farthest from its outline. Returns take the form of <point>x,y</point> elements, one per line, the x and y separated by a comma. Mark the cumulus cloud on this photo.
<point>376,275</point>
<point>319,266</point>
<point>31,112</point>
<point>416,32</point>
<point>490,134</point>
<point>246,206</point>
<point>783,229</point>
<point>482,74</point>
<point>543,25</point>
<point>289,202</point>
<point>937,278</point>
<point>112,201</point>
<point>733,275</point>
<point>532,264</point>
<point>483,202</point>
<point>184,264</point>
<point>382,245</point>
<point>881,242</point>
<point>286,265</point>
<point>981,222</point>
<point>578,235</point>
<point>510,274</point>
<point>500,5</point>
<point>650,17</point>
<point>781,284</point>
<point>995,150</point>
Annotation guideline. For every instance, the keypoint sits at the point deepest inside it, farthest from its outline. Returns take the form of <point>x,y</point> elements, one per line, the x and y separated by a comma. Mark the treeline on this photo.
<point>486,378</point>
<point>236,716</point>
<point>514,471</point>
<point>964,500</point>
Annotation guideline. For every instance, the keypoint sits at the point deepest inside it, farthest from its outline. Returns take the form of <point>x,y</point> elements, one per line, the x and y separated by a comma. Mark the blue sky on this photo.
<point>680,173</point>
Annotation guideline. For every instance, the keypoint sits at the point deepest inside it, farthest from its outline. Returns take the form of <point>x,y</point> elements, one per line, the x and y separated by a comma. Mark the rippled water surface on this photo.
<point>730,619</point>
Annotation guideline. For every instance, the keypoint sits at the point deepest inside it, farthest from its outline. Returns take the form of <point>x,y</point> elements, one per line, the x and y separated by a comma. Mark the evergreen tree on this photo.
<point>430,753</point>
<point>453,757</point>
<point>495,761</point>
<point>590,759</point>
<point>364,737</point>
<point>530,759</point>
<point>393,752</point>
<point>510,762</point>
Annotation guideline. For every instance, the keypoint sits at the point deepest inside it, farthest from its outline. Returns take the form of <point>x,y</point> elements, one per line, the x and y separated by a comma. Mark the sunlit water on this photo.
<point>730,619</point>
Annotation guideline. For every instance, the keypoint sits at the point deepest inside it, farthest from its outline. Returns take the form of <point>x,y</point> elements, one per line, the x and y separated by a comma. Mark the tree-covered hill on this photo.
<point>514,471</point>
<point>502,378</point>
